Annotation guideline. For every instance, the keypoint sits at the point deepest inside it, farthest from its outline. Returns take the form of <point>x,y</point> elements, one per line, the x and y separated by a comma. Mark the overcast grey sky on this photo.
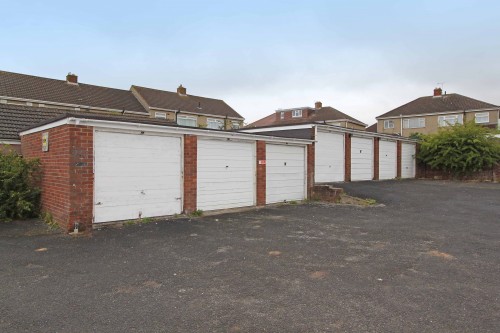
<point>361,57</point>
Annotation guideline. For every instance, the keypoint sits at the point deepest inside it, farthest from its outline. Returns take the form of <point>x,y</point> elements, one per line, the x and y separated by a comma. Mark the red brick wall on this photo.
<point>491,175</point>
<point>261,173</point>
<point>4,148</point>
<point>311,151</point>
<point>67,173</point>
<point>347,166</point>
<point>376,158</point>
<point>190,172</point>
<point>398,159</point>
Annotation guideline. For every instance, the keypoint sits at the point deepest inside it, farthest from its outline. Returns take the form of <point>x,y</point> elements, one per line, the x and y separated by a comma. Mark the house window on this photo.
<point>482,118</point>
<point>297,113</point>
<point>450,120</point>
<point>215,123</point>
<point>235,124</point>
<point>282,115</point>
<point>187,121</point>
<point>388,123</point>
<point>414,123</point>
<point>160,115</point>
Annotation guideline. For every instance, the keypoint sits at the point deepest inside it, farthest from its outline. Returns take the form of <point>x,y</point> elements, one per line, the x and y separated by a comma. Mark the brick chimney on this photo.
<point>318,105</point>
<point>181,90</point>
<point>438,92</point>
<point>72,78</point>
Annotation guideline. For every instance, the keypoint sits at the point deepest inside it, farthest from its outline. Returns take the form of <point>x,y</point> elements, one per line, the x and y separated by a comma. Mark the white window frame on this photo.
<point>235,125</point>
<point>160,115</point>
<point>485,115</point>
<point>297,114</point>
<point>388,124</point>
<point>219,123</point>
<point>450,120</point>
<point>420,123</point>
<point>282,115</point>
<point>181,118</point>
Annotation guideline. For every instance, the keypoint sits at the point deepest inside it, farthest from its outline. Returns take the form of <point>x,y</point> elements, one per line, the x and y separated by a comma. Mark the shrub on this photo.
<point>19,190</point>
<point>460,149</point>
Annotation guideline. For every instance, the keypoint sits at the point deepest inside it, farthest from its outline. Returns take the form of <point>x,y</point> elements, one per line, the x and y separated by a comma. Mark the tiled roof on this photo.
<point>372,128</point>
<point>16,118</point>
<point>439,104</point>
<point>195,104</point>
<point>326,113</point>
<point>59,91</point>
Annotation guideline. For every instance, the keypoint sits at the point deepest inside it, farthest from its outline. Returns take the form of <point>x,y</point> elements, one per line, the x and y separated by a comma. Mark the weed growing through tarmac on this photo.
<point>197,213</point>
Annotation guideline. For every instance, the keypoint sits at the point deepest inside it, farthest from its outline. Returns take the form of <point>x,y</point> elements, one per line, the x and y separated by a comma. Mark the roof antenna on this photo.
<point>442,85</point>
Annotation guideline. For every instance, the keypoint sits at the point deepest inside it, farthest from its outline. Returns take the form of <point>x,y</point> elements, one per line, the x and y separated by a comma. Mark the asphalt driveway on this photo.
<point>429,261</point>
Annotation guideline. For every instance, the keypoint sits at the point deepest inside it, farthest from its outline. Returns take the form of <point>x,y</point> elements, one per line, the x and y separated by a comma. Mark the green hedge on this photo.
<point>460,149</point>
<point>19,187</point>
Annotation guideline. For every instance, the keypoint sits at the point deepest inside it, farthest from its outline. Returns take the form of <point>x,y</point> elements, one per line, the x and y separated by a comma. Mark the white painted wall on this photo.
<point>136,175</point>
<point>387,159</point>
<point>408,167</point>
<point>285,173</point>
<point>329,157</point>
<point>361,158</point>
<point>226,174</point>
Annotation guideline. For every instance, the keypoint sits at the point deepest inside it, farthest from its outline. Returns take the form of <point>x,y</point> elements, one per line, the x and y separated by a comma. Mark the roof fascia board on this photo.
<point>108,124</point>
<point>360,133</point>
<point>67,105</point>
<point>10,142</point>
<point>154,108</point>
<point>275,128</point>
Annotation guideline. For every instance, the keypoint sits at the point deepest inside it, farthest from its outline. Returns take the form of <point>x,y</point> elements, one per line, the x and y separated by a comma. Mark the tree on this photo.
<point>460,149</point>
<point>19,191</point>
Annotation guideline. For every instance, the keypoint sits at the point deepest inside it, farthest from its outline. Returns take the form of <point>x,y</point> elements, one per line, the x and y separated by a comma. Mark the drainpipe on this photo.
<point>401,124</point>
<point>175,115</point>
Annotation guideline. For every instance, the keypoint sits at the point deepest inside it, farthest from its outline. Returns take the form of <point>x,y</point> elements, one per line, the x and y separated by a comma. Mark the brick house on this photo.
<point>304,115</point>
<point>427,114</point>
<point>26,100</point>
<point>188,110</point>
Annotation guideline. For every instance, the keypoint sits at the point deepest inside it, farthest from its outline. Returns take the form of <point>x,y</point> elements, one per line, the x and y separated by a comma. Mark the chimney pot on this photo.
<point>72,78</point>
<point>318,105</point>
<point>181,90</point>
<point>438,92</point>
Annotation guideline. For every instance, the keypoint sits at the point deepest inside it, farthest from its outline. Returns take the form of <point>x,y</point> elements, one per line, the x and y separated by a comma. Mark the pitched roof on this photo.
<point>16,118</point>
<point>326,113</point>
<point>438,104</point>
<point>372,128</point>
<point>173,101</point>
<point>59,91</point>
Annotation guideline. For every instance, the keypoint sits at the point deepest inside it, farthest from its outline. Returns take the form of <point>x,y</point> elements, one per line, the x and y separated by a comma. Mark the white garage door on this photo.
<point>226,174</point>
<point>361,159</point>
<point>136,176</point>
<point>329,156</point>
<point>387,159</point>
<point>407,160</point>
<point>285,173</point>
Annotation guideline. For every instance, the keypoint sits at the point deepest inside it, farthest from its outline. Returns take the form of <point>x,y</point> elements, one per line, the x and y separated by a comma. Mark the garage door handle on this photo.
<point>142,192</point>
<point>284,163</point>
<point>98,204</point>
<point>179,198</point>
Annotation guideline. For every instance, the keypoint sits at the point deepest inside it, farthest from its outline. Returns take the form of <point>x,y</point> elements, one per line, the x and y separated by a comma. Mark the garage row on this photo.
<point>98,171</point>
<point>343,154</point>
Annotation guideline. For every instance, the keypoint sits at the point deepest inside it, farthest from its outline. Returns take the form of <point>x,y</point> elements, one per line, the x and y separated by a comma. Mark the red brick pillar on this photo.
<point>261,173</point>
<point>190,172</point>
<point>311,150</point>
<point>347,150</point>
<point>376,158</point>
<point>81,177</point>
<point>399,160</point>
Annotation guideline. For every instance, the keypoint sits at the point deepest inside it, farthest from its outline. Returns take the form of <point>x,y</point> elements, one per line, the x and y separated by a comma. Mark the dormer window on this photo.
<point>296,113</point>
<point>282,115</point>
